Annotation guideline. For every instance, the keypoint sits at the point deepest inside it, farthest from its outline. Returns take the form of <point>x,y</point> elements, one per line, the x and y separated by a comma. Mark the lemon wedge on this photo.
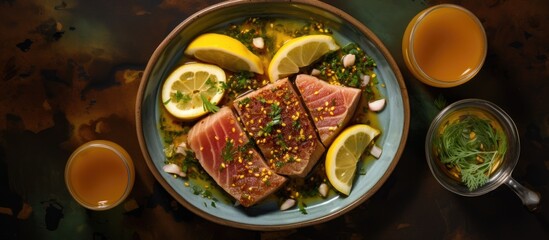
<point>299,52</point>
<point>225,52</point>
<point>345,152</point>
<point>193,90</point>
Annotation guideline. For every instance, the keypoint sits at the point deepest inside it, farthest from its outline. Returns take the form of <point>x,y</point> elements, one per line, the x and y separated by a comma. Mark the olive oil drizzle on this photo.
<point>274,32</point>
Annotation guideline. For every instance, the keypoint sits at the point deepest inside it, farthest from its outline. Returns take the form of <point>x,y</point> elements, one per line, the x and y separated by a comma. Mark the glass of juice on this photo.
<point>444,45</point>
<point>99,174</point>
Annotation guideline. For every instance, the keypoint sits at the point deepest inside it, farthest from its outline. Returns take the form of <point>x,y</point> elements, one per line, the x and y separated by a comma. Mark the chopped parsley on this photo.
<point>280,141</point>
<point>181,97</point>
<point>279,164</point>
<point>245,101</point>
<point>178,97</point>
<point>275,112</point>
<point>362,170</point>
<point>296,124</point>
<point>214,85</point>
<point>244,148</point>
<point>196,190</point>
<point>238,83</point>
<point>332,69</point>
<point>301,205</point>
<point>228,152</point>
<point>276,119</point>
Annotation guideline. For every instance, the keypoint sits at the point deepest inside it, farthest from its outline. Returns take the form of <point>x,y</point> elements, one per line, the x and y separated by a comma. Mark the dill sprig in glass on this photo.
<point>471,145</point>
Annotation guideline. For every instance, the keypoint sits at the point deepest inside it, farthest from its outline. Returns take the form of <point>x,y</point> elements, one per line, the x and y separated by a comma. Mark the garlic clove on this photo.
<point>287,204</point>
<point>349,60</point>
<point>377,105</point>
<point>365,80</point>
<point>174,169</point>
<point>323,189</point>
<point>258,42</point>
<point>181,148</point>
<point>376,151</point>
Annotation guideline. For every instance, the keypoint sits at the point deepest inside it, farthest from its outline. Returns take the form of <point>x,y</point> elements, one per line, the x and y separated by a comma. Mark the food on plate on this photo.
<point>470,146</point>
<point>331,106</point>
<point>299,52</point>
<point>275,117</point>
<point>337,69</point>
<point>193,90</point>
<point>377,105</point>
<point>226,153</point>
<point>345,152</point>
<point>224,51</point>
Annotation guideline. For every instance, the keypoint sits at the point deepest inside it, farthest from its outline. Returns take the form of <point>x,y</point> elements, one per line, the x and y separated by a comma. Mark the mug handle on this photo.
<point>529,198</point>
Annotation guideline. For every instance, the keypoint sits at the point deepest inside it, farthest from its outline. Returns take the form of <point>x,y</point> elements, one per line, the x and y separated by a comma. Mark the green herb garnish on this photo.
<point>296,124</point>
<point>279,164</point>
<point>301,205</point>
<point>196,190</point>
<point>331,67</point>
<point>276,119</point>
<point>208,106</point>
<point>280,141</point>
<point>362,170</point>
<point>275,113</point>
<point>189,161</point>
<point>228,152</point>
<point>214,85</point>
<point>178,97</point>
<point>244,101</point>
<point>471,145</point>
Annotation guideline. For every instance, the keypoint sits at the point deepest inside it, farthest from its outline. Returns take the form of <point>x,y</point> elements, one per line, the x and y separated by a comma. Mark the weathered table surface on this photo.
<point>69,73</point>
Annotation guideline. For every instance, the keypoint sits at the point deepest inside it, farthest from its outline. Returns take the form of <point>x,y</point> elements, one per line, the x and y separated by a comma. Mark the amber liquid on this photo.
<point>98,176</point>
<point>449,44</point>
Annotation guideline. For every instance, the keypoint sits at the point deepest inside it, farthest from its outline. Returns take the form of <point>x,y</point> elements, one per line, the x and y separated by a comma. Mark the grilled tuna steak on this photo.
<point>275,117</point>
<point>331,107</point>
<point>228,156</point>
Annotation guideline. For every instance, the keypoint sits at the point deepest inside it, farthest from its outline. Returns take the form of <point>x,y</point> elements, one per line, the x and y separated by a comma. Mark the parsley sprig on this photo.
<point>276,119</point>
<point>228,152</point>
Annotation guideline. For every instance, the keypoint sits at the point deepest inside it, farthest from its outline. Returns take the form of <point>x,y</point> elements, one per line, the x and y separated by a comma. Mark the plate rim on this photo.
<point>311,3</point>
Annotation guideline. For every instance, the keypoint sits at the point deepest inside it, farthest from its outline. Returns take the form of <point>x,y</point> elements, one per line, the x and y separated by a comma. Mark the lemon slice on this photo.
<point>299,52</point>
<point>344,153</point>
<point>193,89</point>
<point>224,51</point>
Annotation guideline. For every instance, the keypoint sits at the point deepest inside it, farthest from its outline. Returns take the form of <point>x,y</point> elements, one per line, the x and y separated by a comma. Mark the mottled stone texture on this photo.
<point>69,73</point>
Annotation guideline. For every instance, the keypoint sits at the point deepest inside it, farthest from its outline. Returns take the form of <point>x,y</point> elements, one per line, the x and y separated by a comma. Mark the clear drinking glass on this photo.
<point>503,173</point>
<point>99,174</point>
<point>441,32</point>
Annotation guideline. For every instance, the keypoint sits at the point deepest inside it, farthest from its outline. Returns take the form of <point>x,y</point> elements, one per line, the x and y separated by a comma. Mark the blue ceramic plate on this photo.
<point>394,119</point>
